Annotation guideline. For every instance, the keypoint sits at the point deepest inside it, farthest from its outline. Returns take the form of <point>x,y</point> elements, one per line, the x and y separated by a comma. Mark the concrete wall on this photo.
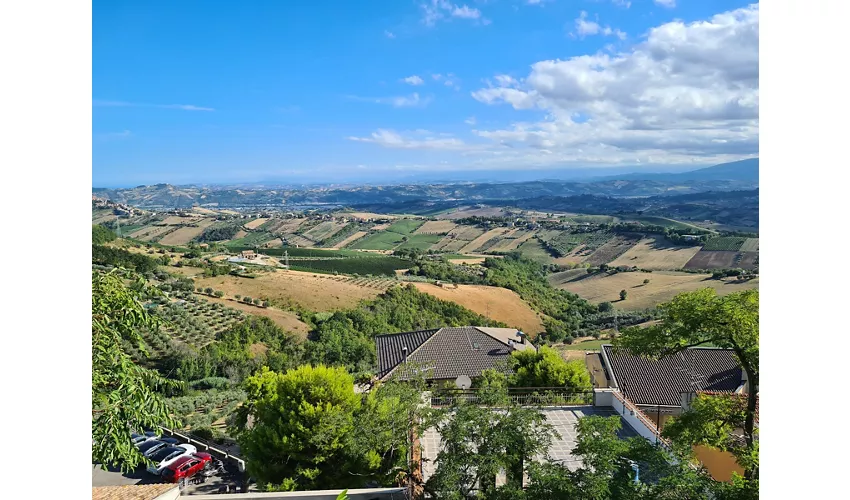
<point>360,494</point>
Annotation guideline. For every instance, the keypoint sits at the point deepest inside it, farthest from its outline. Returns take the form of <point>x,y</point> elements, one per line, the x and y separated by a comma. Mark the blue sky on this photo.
<point>214,91</point>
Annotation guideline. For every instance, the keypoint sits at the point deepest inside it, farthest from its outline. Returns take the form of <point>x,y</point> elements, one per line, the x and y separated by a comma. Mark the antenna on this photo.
<point>118,225</point>
<point>286,257</point>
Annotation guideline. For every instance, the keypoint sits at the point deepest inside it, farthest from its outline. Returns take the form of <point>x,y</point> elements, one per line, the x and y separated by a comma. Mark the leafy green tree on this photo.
<point>208,291</point>
<point>266,303</point>
<point>623,294</point>
<point>125,395</point>
<point>546,368</point>
<point>478,443</point>
<point>702,317</point>
<point>646,281</point>
<point>303,420</point>
<point>257,302</point>
<point>238,296</point>
<point>218,293</point>
<point>605,307</point>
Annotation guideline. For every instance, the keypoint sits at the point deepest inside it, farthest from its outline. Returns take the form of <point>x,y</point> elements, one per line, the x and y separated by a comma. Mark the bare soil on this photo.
<point>496,303</point>
<point>656,254</point>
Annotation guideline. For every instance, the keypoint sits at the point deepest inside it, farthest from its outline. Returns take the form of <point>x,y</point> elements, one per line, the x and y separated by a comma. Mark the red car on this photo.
<point>185,467</point>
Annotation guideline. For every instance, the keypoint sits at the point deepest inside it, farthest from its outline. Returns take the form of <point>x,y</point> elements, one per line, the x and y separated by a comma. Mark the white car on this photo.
<point>164,457</point>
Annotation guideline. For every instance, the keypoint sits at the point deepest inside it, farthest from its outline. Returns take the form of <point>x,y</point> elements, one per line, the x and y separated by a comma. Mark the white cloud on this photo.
<point>470,121</point>
<point>394,140</point>
<point>123,104</point>
<point>584,27</point>
<point>389,34</point>
<point>622,3</point>
<point>437,10</point>
<point>666,3</point>
<point>689,91</point>
<point>414,100</point>
<point>413,80</point>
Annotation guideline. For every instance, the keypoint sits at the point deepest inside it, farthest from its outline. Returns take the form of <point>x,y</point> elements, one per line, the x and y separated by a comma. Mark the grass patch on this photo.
<point>720,243</point>
<point>587,345</point>
<point>384,240</point>
<point>421,241</point>
<point>405,226</point>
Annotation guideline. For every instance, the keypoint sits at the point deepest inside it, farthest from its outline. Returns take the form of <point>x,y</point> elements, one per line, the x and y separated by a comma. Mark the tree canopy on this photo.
<point>124,395</point>
<point>546,368</point>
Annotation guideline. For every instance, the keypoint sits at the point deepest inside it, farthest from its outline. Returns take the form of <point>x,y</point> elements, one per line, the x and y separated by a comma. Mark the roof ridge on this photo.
<point>479,328</point>
<point>409,354</point>
<point>435,330</point>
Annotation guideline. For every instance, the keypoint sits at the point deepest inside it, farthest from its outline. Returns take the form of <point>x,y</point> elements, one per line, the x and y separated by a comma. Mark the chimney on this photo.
<point>404,353</point>
<point>744,388</point>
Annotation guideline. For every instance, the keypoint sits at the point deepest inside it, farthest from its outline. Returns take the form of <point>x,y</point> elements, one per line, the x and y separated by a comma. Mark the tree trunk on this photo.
<point>749,423</point>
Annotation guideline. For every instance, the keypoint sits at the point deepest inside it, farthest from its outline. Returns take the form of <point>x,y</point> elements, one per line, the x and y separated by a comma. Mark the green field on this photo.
<point>371,265</point>
<point>534,250</point>
<point>304,252</point>
<point>421,241</point>
<point>405,226</point>
<point>255,238</point>
<point>732,243</point>
<point>383,240</point>
<point>587,345</point>
<point>592,219</point>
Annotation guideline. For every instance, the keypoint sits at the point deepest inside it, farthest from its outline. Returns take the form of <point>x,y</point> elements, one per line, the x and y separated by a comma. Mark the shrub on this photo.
<point>238,296</point>
<point>266,303</point>
<point>218,293</point>
<point>257,302</point>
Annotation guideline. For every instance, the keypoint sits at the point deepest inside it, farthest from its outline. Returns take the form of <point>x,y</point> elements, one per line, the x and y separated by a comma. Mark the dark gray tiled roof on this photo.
<point>646,381</point>
<point>446,353</point>
<point>389,348</point>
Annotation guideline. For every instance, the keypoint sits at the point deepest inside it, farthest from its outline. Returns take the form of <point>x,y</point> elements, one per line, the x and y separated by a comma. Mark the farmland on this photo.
<point>707,259</point>
<point>662,287</point>
<point>351,239</point>
<point>186,234</point>
<point>285,319</point>
<point>313,291</point>
<point>656,254</point>
<point>484,238</point>
<point>611,250</point>
<point>724,243</point>
<point>750,245</point>
<point>394,235</point>
<point>323,231</point>
<point>384,265</point>
<point>254,224</point>
<point>457,238</point>
<point>197,323</point>
<point>421,241</point>
<point>436,227</point>
<point>500,304</point>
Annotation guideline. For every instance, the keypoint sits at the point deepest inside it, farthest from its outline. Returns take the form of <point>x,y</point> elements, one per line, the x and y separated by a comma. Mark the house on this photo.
<point>248,254</point>
<point>657,386</point>
<point>447,353</point>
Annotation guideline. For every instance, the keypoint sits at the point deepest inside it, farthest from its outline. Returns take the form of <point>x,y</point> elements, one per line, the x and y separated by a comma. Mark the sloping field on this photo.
<point>324,230</point>
<point>750,245</point>
<point>611,249</point>
<point>479,241</point>
<point>656,254</point>
<point>287,320</point>
<point>470,212</point>
<point>254,224</point>
<point>296,240</point>
<point>497,303</point>
<point>562,277</point>
<point>349,240</point>
<point>104,218</point>
<point>175,220</point>
<point>282,226</point>
<point>316,292</point>
<point>509,244</point>
<point>150,232</point>
<point>369,215</point>
<point>457,238</point>
<point>712,259</point>
<point>662,287</point>
<point>186,234</point>
<point>436,227</point>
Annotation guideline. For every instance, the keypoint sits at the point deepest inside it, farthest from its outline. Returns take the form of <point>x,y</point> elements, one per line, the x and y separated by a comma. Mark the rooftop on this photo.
<point>447,353</point>
<point>646,381</point>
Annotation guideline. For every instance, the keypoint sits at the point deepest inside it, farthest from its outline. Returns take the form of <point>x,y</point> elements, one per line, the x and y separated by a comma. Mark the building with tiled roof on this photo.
<point>447,353</point>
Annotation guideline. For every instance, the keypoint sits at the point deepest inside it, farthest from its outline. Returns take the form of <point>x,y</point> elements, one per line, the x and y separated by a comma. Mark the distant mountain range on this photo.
<point>735,176</point>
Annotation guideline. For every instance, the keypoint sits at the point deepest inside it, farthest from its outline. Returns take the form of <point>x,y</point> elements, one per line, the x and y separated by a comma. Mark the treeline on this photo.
<point>219,233</point>
<point>118,257</point>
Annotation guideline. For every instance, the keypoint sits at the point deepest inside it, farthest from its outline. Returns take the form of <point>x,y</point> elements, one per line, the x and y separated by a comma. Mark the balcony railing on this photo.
<point>524,396</point>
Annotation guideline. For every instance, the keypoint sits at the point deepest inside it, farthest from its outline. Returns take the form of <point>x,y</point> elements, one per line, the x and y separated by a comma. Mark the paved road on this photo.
<point>114,477</point>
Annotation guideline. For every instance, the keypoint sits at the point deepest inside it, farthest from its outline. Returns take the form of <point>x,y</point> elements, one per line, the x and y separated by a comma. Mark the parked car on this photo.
<point>171,441</point>
<point>180,470</point>
<point>151,446</point>
<point>164,457</point>
<point>138,439</point>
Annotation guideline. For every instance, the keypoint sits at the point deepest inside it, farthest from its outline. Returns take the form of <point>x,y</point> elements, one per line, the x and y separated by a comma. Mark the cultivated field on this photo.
<point>713,259</point>
<point>724,243</point>
<point>457,238</point>
<point>350,239</point>
<point>481,240</point>
<point>368,215</point>
<point>497,303</point>
<point>150,232</point>
<point>436,227</point>
<point>186,234</point>
<point>254,224</point>
<point>462,213</point>
<point>283,226</point>
<point>324,230</point>
<point>662,287</point>
<point>611,249</point>
<point>656,254</point>
<point>287,320</point>
<point>175,220</point>
<point>296,240</point>
<point>316,292</point>
<point>751,245</point>
<point>470,260</point>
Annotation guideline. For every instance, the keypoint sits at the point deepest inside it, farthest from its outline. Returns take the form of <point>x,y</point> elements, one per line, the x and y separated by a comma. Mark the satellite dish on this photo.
<point>463,382</point>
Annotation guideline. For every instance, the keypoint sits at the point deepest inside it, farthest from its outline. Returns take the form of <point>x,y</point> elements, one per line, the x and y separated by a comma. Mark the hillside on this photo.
<point>743,171</point>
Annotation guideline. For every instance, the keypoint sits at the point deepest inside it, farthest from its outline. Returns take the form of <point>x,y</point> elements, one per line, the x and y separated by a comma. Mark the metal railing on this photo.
<point>524,396</point>
<point>209,447</point>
